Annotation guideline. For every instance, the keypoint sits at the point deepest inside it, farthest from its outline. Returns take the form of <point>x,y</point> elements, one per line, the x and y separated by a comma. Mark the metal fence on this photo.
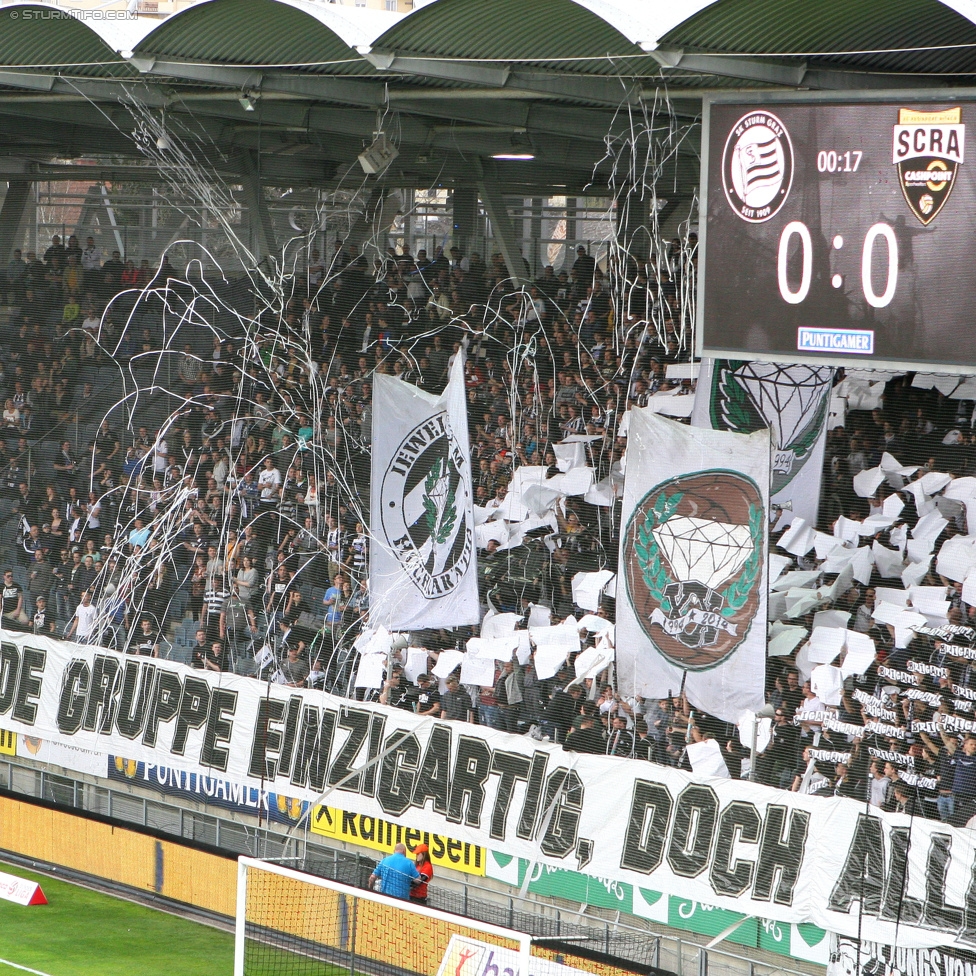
<point>635,945</point>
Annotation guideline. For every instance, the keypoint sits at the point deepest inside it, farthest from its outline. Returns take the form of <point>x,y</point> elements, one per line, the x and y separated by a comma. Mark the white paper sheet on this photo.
<point>592,661</point>
<point>416,663</point>
<point>969,590</point>
<point>866,483</point>
<point>827,683</point>
<point>956,558</point>
<point>914,573</point>
<point>825,644</point>
<point>571,455</point>
<point>595,624</point>
<point>832,618</point>
<point>370,671</point>
<point>799,579</point>
<point>539,616</point>
<point>847,530</point>
<point>777,564</point>
<point>447,661</point>
<point>785,641</point>
<point>478,671</point>
<point>860,654</point>
<point>588,587</point>
<point>493,648</point>
<point>499,624</point>
<point>706,758</point>
<point>863,565</point>
<point>800,602</point>
<point>798,538</point>
<point>889,563</point>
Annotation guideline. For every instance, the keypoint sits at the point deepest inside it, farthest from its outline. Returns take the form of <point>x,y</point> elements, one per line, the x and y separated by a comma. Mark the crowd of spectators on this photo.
<point>223,524</point>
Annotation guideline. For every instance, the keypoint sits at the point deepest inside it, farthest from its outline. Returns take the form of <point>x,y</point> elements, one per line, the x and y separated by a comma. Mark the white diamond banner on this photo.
<point>792,401</point>
<point>692,612</point>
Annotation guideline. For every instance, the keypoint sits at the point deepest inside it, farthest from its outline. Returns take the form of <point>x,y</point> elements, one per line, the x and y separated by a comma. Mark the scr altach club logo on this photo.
<point>694,549</point>
<point>757,166</point>
<point>425,504</point>
<point>928,148</point>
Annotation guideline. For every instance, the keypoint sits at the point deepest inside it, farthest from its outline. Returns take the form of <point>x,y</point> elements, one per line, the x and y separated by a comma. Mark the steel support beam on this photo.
<point>469,74</point>
<point>501,222</point>
<point>263,243</point>
<point>12,215</point>
<point>784,74</point>
<point>464,215</point>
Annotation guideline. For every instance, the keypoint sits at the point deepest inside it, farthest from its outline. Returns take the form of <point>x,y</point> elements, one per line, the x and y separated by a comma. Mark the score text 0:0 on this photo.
<point>801,230</point>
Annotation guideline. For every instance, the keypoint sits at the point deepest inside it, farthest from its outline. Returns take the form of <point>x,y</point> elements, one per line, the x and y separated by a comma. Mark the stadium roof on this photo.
<point>456,81</point>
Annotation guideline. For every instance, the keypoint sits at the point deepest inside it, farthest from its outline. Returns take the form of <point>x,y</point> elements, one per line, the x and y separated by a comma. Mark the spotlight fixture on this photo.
<point>379,155</point>
<point>163,140</point>
<point>248,101</point>
<point>520,148</point>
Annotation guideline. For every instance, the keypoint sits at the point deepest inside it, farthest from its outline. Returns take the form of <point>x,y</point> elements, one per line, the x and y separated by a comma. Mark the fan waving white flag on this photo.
<point>692,558</point>
<point>422,570</point>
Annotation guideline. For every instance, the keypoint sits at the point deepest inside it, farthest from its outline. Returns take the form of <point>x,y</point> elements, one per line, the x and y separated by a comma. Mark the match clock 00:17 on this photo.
<point>839,232</point>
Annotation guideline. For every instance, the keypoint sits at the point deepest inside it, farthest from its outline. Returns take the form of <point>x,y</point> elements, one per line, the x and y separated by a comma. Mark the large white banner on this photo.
<point>853,957</point>
<point>792,402</point>
<point>422,570</point>
<point>692,612</point>
<point>731,844</point>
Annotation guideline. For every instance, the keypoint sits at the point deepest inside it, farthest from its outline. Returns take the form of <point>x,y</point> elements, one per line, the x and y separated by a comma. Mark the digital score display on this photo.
<point>839,231</point>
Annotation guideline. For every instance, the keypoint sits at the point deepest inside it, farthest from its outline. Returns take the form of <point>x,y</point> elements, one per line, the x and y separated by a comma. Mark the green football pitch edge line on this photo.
<point>25,969</point>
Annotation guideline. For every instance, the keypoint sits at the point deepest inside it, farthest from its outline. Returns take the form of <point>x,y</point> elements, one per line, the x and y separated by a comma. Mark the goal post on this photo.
<point>290,923</point>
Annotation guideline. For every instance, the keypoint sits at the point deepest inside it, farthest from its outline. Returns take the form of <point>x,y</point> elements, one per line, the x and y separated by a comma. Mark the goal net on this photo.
<point>295,924</point>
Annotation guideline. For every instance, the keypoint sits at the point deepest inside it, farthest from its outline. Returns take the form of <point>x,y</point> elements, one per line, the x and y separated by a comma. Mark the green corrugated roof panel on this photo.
<point>44,39</point>
<point>550,33</point>
<point>246,32</point>
<point>833,27</point>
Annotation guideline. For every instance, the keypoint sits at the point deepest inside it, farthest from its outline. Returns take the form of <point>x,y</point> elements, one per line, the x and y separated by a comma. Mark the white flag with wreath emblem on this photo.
<point>422,570</point>
<point>693,561</point>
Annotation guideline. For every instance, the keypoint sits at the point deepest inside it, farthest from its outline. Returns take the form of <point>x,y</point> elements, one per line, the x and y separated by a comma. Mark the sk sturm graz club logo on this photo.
<point>695,547</point>
<point>928,148</point>
<point>425,501</point>
<point>757,166</point>
<point>791,401</point>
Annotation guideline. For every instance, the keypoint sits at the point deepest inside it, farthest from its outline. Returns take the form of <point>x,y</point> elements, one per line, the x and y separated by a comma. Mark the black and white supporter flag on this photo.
<point>422,565</point>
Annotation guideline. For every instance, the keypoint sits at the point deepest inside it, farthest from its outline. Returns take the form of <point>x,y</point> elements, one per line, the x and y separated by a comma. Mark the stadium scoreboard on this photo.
<point>840,231</point>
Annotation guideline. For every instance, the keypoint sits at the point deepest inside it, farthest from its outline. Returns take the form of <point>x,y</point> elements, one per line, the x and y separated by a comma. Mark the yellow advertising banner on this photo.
<point>8,743</point>
<point>382,835</point>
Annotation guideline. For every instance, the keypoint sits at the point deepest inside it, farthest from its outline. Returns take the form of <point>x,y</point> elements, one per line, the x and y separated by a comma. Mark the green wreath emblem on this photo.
<point>737,593</point>
<point>648,554</point>
<point>440,530</point>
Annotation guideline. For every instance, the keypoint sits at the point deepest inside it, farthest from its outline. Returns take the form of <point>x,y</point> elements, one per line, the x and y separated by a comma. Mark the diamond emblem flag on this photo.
<point>792,401</point>
<point>704,551</point>
<point>693,611</point>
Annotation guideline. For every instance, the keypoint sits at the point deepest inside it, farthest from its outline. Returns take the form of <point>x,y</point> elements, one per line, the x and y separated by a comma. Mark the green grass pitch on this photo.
<point>81,932</point>
<point>84,933</point>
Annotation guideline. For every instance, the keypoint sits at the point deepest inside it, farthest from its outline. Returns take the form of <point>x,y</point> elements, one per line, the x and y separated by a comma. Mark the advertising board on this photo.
<point>839,230</point>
